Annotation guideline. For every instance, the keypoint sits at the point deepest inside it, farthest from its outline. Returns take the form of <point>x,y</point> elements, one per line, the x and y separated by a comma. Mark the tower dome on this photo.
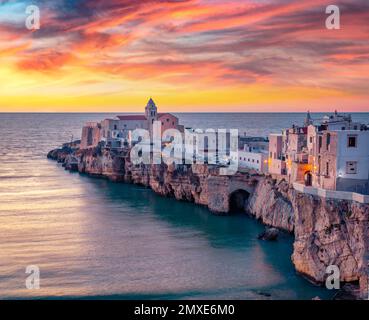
<point>151,109</point>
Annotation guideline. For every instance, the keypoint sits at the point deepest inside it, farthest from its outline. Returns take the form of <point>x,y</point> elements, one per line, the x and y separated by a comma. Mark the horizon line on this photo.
<point>180,112</point>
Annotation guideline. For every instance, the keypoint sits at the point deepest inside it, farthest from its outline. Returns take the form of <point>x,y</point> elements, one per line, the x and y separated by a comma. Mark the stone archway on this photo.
<point>237,201</point>
<point>308,178</point>
<point>227,191</point>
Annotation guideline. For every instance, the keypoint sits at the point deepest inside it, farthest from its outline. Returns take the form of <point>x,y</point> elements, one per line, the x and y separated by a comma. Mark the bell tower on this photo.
<point>151,113</point>
<point>308,121</point>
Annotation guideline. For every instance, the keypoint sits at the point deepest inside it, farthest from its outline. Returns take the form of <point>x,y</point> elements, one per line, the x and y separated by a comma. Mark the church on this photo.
<point>146,121</point>
<point>115,132</point>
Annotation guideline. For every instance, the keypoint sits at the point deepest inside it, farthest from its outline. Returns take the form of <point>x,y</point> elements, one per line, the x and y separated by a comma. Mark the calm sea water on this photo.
<point>94,238</point>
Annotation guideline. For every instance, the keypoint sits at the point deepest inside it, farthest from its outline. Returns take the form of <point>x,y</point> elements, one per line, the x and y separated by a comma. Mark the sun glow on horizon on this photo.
<point>192,55</point>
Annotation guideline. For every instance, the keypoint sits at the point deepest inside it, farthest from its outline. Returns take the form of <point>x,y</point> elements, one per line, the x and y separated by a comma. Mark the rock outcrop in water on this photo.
<point>270,234</point>
<point>327,232</point>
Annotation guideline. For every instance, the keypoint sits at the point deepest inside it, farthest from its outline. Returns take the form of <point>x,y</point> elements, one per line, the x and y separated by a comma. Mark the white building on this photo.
<point>253,158</point>
<point>276,161</point>
<point>339,122</point>
<point>331,154</point>
<point>204,146</point>
<point>341,160</point>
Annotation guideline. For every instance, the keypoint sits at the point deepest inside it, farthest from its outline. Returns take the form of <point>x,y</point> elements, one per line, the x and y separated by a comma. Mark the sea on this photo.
<point>94,239</point>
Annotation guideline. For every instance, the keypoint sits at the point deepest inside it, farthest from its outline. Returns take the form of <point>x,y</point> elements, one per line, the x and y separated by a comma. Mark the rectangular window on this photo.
<point>328,140</point>
<point>351,167</point>
<point>319,164</point>
<point>327,169</point>
<point>320,142</point>
<point>352,141</point>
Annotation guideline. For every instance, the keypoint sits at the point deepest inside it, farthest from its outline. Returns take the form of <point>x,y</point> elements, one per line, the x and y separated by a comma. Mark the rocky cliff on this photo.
<point>327,232</point>
<point>271,203</point>
<point>330,232</point>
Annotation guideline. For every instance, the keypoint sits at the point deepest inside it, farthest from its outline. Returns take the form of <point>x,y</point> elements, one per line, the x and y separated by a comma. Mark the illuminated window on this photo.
<point>352,141</point>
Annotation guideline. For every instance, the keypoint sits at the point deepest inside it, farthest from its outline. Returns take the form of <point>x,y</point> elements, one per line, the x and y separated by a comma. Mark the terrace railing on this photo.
<point>340,195</point>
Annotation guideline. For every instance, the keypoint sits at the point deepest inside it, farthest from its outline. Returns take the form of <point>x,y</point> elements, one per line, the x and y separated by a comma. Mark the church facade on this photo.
<point>116,132</point>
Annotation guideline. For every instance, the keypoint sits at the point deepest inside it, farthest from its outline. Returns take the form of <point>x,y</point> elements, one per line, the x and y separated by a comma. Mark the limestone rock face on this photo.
<point>327,232</point>
<point>330,232</point>
<point>71,163</point>
<point>218,201</point>
<point>99,162</point>
<point>271,204</point>
<point>60,155</point>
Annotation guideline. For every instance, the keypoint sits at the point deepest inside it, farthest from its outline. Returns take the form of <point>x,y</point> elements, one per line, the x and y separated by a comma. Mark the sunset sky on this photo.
<point>189,55</point>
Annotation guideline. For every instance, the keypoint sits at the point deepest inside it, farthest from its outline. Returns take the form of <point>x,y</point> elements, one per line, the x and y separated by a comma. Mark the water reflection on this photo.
<point>230,243</point>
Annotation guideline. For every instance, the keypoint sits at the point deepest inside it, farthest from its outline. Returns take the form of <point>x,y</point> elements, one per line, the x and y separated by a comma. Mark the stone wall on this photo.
<point>91,135</point>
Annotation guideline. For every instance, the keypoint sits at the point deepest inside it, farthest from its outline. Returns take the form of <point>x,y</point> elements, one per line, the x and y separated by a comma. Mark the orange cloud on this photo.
<point>192,46</point>
<point>48,60</point>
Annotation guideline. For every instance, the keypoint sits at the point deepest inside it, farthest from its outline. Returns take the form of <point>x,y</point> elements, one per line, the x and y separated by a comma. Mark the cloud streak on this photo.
<point>173,46</point>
